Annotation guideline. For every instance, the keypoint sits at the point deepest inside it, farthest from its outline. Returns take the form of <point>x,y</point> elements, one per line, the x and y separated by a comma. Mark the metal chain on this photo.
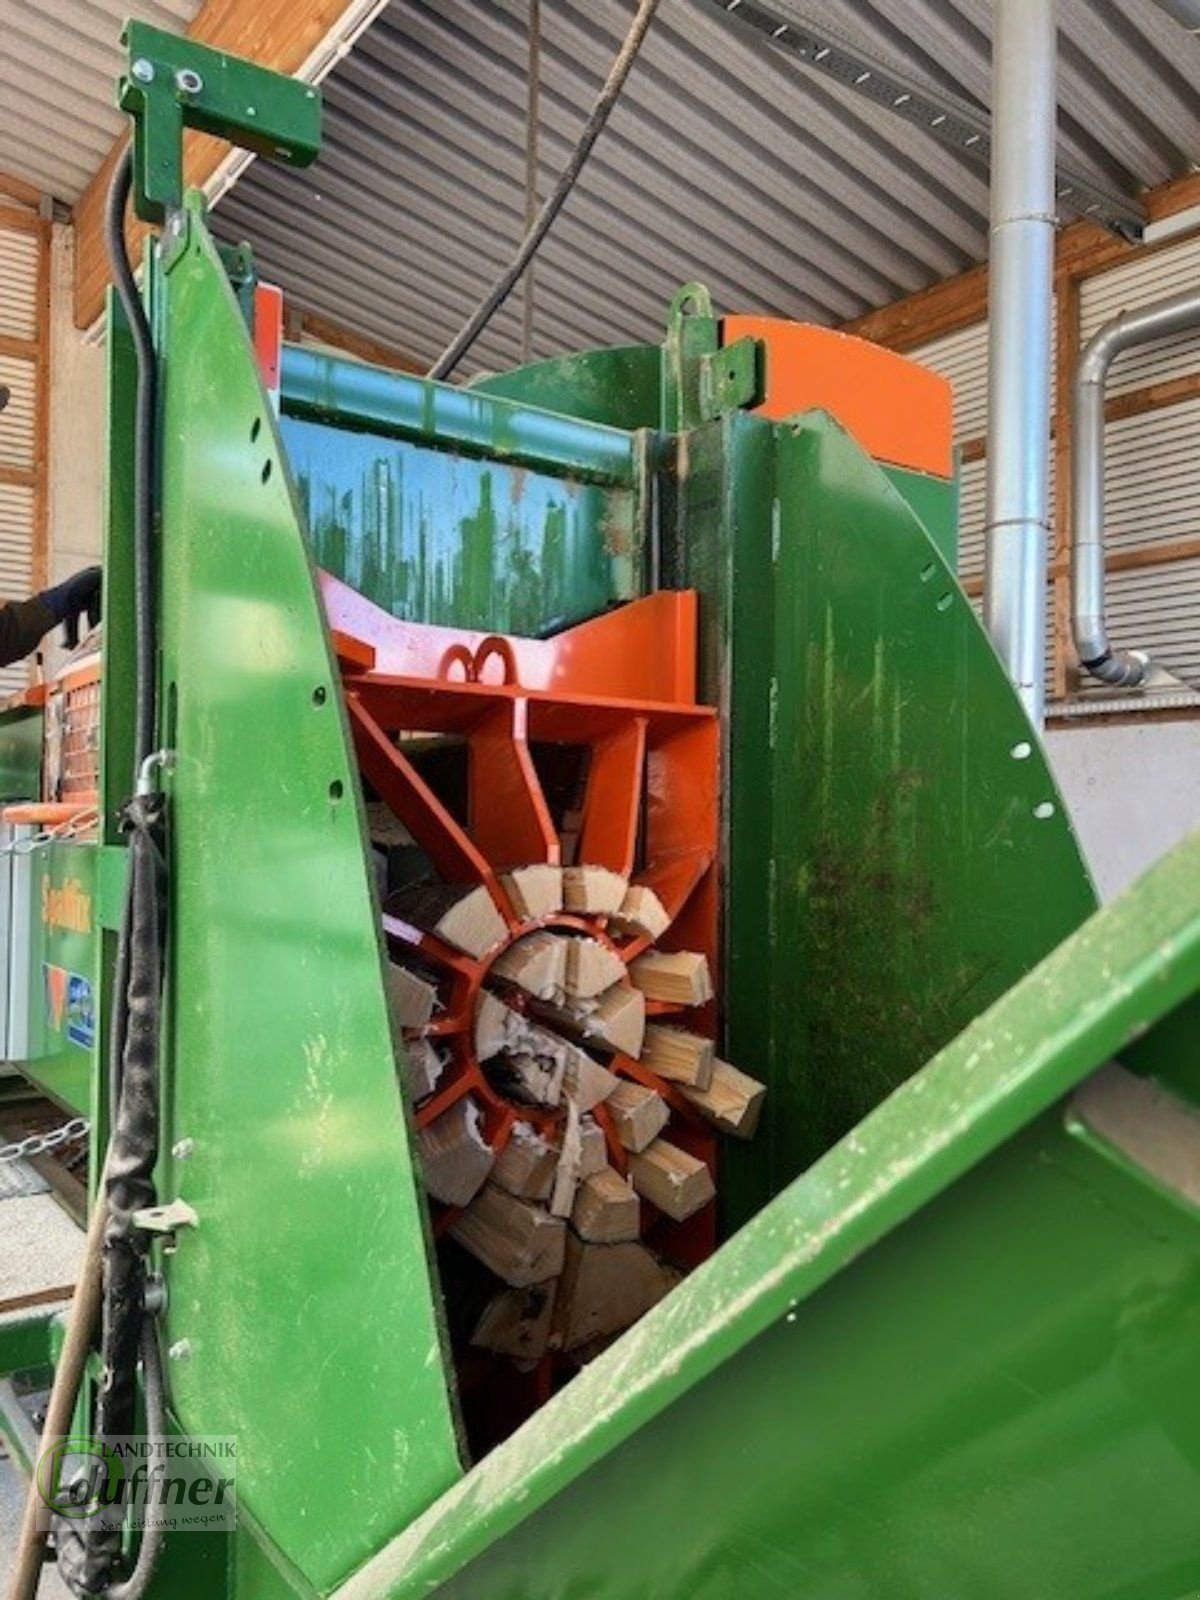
<point>39,1144</point>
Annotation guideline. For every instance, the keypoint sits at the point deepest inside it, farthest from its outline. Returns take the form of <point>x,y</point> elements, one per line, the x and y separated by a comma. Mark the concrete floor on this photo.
<point>40,1248</point>
<point>12,1504</point>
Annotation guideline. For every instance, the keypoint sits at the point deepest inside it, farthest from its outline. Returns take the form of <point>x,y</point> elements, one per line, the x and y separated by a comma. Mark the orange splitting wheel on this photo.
<point>613,698</point>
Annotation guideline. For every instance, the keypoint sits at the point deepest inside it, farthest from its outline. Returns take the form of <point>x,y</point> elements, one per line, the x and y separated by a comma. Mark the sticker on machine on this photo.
<point>69,1004</point>
<point>81,1013</point>
<point>54,983</point>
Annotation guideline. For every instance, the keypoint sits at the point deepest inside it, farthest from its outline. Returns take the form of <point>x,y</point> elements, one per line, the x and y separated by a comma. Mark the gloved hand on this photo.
<point>76,596</point>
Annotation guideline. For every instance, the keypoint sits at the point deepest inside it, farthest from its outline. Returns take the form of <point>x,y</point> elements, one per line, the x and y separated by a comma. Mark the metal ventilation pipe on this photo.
<point>1179,312</point>
<point>1186,12</point>
<point>1020,298</point>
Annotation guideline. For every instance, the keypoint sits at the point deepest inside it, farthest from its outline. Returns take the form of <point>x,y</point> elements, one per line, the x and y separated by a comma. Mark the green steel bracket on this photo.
<point>172,83</point>
<point>701,379</point>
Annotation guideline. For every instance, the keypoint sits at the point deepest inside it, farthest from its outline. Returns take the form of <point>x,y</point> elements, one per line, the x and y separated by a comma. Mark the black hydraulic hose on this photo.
<point>592,129</point>
<point>128,1329</point>
<point>143,490</point>
<point>136,1584</point>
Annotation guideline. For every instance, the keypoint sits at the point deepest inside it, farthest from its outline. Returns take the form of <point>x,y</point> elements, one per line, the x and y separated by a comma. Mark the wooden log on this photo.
<point>527,1164</point>
<point>411,999</point>
<point>642,912</point>
<point>535,891</point>
<point>591,968</point>
<point>678,976</point>
<point>606,1209</point>
<point>639,1115</point>
<point>538,963</point>
<point>604,1288</point>
<point>732,1102</point>
<point>593,890</point>
<point>677,1183</point>
<point>421,1068</point>
<point>465,917</point>
<point>455,1157</point>
<point>516,1239</point>
<point>518,1322</point>
<point>679,1055</point>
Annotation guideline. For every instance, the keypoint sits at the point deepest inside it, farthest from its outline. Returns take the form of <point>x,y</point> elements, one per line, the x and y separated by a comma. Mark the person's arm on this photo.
<point>24,623</point>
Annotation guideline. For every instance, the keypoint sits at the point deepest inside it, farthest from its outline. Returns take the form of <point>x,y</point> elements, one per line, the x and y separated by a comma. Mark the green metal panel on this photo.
<point>305,1292</point>
<point>438,537</point>
<point>935,501</point>
<point>444,505</point>
<point>25,1340</point>
<point>21,754</point>
<point>620,386</point>
<point>889,874</point>
<point>953,1358</point>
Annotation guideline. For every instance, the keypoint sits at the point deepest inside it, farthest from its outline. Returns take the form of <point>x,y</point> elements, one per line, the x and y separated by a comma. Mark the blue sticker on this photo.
<point>81,1015</point>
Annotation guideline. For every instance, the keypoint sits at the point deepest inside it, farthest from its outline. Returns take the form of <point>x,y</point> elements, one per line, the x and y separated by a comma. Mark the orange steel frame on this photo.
<point>623,686</point>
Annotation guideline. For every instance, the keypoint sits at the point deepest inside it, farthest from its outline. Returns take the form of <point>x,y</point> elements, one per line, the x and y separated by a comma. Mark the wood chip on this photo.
<point>566,1179</point>
<point>527,1164</point>
<point>594,890</point>
<point>421,1068</point>
<point>676,1182</point>
<point>604,1288</point>
<point>616,1022</point>
<point>732,1102</point>
<point>516,1239</point>
<point>679,1055</point>
<point>465,917</point>
<point>535,891</point>
<point>491,1026</point>
<point>678,976</point>
<point>642,912</point>
<point>518,1322</point>
<point>639,1115</point>
<point>591,968</point>
<point>593,1145</point>
<point>455,1157</point>
<point>538,963</point>
<point>411,999</point>
<point>606,1209</point>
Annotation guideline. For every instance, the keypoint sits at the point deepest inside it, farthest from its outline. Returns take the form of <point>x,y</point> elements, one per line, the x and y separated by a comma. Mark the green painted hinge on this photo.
<point>701,377</point>
<point>172,83</point>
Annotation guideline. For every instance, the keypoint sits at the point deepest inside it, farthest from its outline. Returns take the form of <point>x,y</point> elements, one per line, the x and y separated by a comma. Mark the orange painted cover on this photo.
<point>900,413</point>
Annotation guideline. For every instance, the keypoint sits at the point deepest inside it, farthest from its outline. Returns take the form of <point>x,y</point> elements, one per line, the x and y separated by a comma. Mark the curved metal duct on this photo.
<point>1127,668</point>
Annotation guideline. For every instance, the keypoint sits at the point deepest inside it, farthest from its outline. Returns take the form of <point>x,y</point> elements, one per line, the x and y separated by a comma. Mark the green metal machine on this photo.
<point>943,1344</point>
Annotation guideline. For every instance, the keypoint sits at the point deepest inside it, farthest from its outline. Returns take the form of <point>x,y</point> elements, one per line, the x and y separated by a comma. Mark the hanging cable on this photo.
<point>592,129</point>
<point>532,119</point>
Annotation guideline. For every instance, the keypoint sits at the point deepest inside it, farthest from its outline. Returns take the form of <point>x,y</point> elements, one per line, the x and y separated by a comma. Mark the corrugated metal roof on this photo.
<point>726,160</point>
<point>59,61</point>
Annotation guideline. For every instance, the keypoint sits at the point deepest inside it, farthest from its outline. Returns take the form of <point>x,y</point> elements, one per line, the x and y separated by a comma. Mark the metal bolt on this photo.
<point>143,70</point>
<point>188,81</point>
<point>183,1149</point>
<point>154,1295</point>
<point>181,1350</point>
